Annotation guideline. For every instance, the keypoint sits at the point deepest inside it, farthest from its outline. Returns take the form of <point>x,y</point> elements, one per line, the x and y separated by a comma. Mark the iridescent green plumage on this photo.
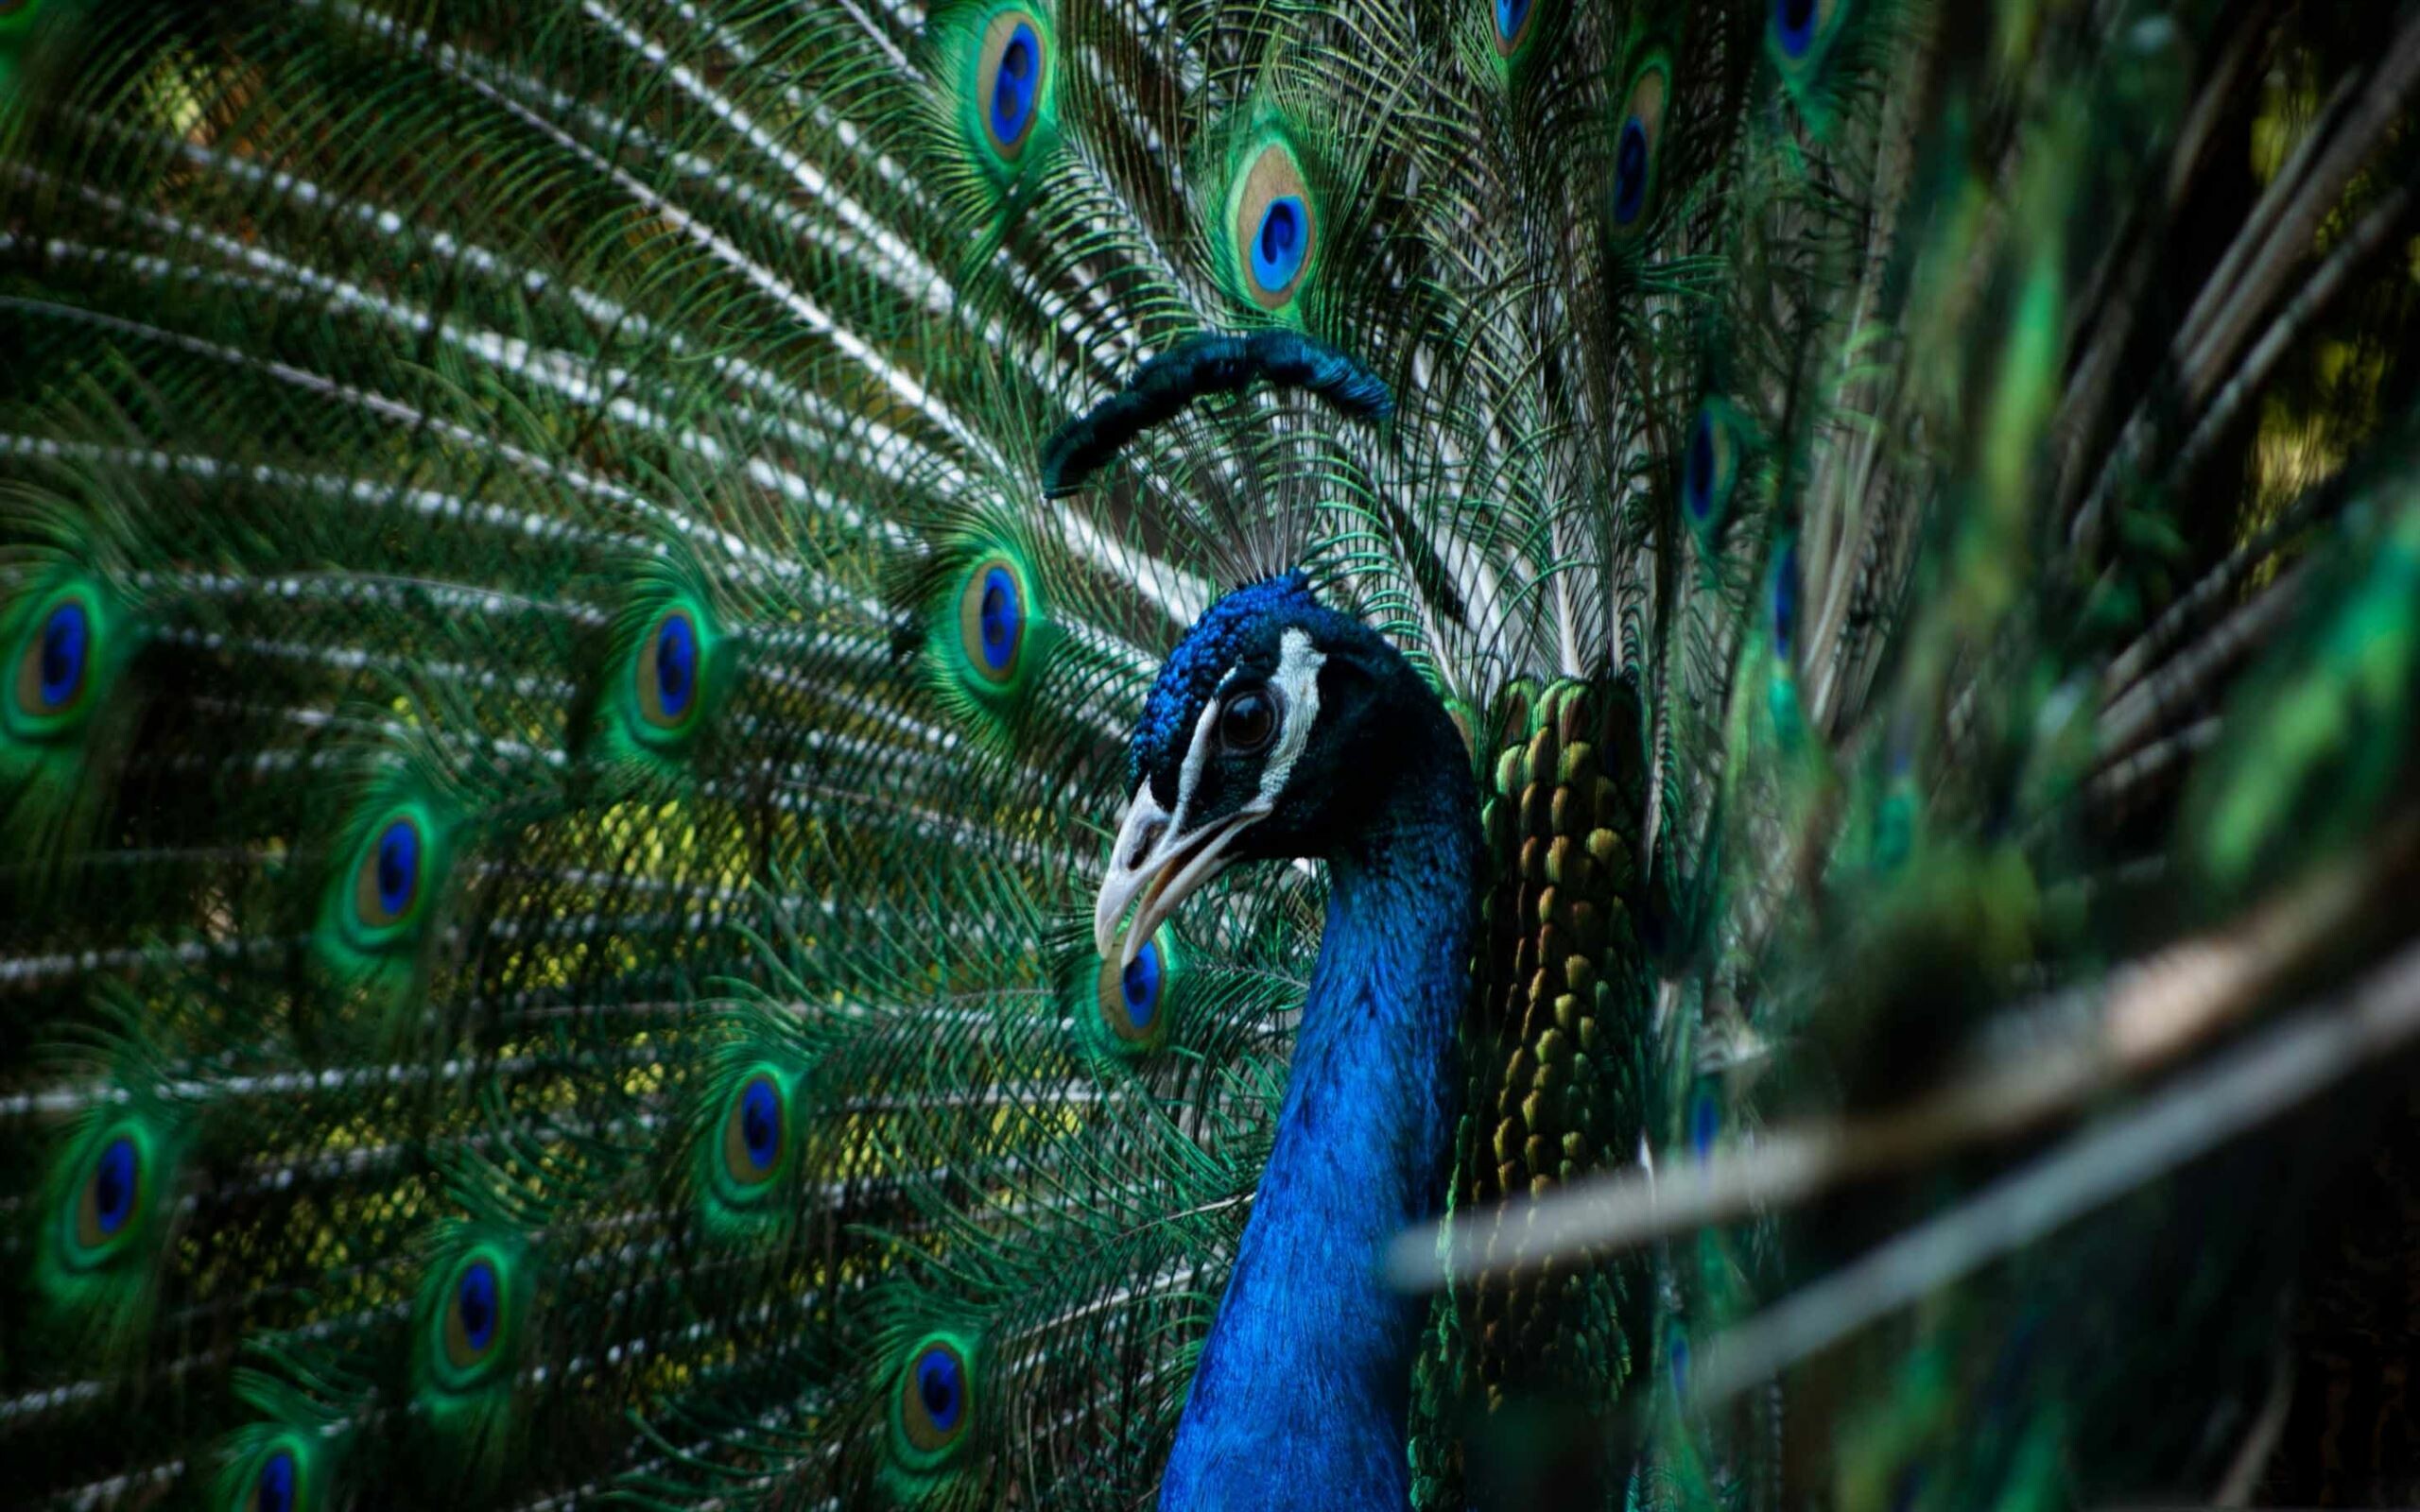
<point>556,742</point>
<point>103,1220</point>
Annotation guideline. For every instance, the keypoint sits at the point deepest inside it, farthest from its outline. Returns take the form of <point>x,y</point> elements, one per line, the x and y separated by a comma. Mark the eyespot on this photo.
<point>1638,144</point>
<point>669,671</point>
<point>112,1195</point>
<point>1799,29</point>
<point>474,1315</point>
<point>1706,1123</point>
<point>1248,721</point>
<point>387,882</point>
<point>57,659</point>
<point>1009,80</point>
<point>54,665</point>
<point>1711,468</point>
<point>274,1483</point>
<point>1697,477</point>
<point>1131,998</point>
<point>1276,228</point>
<point>935,1399</point>
<point>992,620</point>
<point>752,1131</point>
<point>1513,19</point>
<point>1676,1357</point>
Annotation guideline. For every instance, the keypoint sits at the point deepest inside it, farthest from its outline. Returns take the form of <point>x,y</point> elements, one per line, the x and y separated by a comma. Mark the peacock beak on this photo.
<point>1162,863</point>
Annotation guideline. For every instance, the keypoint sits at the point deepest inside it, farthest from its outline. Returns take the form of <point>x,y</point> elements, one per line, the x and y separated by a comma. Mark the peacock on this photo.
<point>1344,754</point>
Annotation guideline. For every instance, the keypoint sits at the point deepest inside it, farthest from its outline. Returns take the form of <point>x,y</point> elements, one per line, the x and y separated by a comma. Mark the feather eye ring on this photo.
<point>1276,225</point>
<point>1798,32</point>
<point>1512,22</point>
<point>475,1319</point>
<point>991,620</point>
<point>754,1133</point>
<point>1137,1001</point>
<point>934,1401</point>
<point>53,664</point>
<point>1638,143</point>
<point>275,1482</point>
<point>1011,73</point>
<point>111,1195</point>
<point>386,881</point>
<point>668,671</point>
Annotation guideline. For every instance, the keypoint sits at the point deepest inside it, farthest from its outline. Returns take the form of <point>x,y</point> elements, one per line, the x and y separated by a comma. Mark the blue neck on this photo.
<point>1300,1396</point>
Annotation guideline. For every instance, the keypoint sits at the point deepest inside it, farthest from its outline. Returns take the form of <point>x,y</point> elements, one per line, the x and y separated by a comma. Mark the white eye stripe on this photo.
<point>1298,707</point>
<point>1298,679</point>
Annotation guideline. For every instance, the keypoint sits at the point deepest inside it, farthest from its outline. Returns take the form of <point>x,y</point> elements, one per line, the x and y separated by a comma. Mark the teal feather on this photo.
<point>579,584</point>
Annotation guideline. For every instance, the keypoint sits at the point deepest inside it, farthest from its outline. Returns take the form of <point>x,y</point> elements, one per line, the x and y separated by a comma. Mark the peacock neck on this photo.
<point>1301,1393</point>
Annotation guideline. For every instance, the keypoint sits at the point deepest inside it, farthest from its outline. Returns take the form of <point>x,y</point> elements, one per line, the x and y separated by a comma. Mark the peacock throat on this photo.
<point>1302,1391</point>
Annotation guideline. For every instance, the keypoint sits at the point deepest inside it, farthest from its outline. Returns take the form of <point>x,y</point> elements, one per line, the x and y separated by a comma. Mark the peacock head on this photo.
<point>1273,734</point>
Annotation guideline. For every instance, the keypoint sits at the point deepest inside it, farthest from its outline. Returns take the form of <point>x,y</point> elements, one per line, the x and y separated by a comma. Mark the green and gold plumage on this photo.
<point>557,742</point>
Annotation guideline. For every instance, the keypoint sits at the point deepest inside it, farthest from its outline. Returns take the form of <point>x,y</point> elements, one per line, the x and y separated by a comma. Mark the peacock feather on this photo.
<point>1086,754</point>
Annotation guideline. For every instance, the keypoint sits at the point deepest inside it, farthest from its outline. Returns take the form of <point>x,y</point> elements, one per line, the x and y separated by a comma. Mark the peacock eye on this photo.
<point>992,620</point>
<point>386,881</point>
<point>1710,470</point>
<point>1511,24</point>
<point>474,1315</point>
<point>1637,143</point>
<point>1010,78</point>
<point>753,1128</point>
<point>1785,602</point>
<point>1706,1123</point>
<point>1131,997</point>
<point>933,1398</point>
<point>1248,721</point>
<point>273,1486</point>
<point>1799,27</point>
<point>111,1193</point>
<point>1285,234</point>
<point>668,671</point>
<point>1274,227</point>
<point>52,675</point>
<point>1697,482</point>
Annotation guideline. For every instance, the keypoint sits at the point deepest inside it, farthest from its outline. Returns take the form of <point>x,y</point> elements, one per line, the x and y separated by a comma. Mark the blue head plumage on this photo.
<point>1218,641</point>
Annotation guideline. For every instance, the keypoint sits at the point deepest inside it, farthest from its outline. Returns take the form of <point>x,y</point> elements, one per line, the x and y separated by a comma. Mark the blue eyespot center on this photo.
<point>1786,601</point>
<point>113,1183</point>
<point>1001,618</point>
<point>66,637</point>
<point>1677,1356</point>
<point>1014,87</point>
<point>941,1388</point>
<point>1697,480</point>
<point>274,1489</point>
<point>398,867</point>
<point>760,1124</point>
<point>676,664</point>
<point>1705,1122</point>
<point>1277,249</point>
<point>475,1304</point>
<point>1630,172</point>
<point>1510,16</point>
<point>1794,25</point>
<point>1141,987</point>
